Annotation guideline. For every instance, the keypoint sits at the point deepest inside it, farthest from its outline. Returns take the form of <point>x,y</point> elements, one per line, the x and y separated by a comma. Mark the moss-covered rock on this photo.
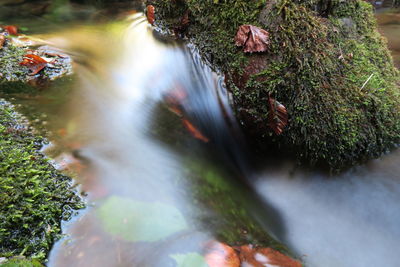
<point>322,54</point>
<point>17,78</point>
<point>34,197</point>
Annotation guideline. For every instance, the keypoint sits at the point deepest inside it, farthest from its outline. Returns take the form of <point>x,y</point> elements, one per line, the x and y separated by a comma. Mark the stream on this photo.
<point>145,127</point>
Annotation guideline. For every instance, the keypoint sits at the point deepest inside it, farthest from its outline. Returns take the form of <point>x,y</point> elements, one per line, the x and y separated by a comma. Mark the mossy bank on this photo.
<point>326,63</point>
<point>34,196</point>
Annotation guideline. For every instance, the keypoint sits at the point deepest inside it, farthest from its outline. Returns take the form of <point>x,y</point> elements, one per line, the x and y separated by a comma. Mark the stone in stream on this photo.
<point>18,78</point>
<point>326,63</point>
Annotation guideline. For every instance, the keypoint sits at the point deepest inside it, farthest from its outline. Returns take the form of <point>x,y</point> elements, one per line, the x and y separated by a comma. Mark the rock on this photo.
<point>15,77</point>
<point>321,54</point>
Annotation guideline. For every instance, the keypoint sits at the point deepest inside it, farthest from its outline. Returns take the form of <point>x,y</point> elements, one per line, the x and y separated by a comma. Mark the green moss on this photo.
<point>34,197</point>
<point>320,56</point>
<point>10,69</point>
<point>21,262</point>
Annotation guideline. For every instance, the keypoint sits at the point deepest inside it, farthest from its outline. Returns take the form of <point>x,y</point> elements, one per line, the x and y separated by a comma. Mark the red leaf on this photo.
<point>252,38</point>
<point>11,29</point>
<point>221,255</point>
<point>34,63</point>
<point>277,116</point>
<point>260,257</point>
<point>182,25</point>
<point>150,14</point>
<point>194,131</point>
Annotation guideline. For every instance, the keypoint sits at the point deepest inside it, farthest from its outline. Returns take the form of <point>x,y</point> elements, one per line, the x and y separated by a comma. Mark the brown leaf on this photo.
<point>150,14</point>
<point>182,25</point>
<point>277,116</point>
<point>221,255</point>
<point>34,63</point>
<point>194,131</point>
<point>260,257</point>
<point>11,29</point>
<point>2,40</point>
<point>252,38</point>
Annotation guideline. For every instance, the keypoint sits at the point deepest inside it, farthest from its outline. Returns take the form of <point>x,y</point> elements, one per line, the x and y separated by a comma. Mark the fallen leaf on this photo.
<point>34,63</point>
<point>175,96</point>
<point>260,257</point>
<point>146,221</point>
<point>277,116</point>
<point>221,255</point>
<point>182,25</point>
<point>2,40</point>
<point>194,131</point>
<point>150,14</point>
<point>252,38</point>
<point>11,29</point>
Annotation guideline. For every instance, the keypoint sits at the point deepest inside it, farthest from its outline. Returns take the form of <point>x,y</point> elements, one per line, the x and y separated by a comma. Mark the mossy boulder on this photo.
<point>34,196</point>
<point>326,63</point>
<point>17,78</point>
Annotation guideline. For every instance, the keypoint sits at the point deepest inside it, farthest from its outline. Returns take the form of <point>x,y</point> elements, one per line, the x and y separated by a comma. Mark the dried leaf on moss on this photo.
<point>252,38</point>
<point>2,40</point>
<point>11,29</point>
<point>150,14</point>
<point>34,63</point>
<point>277,116</point>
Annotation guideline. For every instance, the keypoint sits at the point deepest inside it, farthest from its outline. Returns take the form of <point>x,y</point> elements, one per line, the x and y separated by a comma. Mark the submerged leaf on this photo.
<point>194,131</point>
<point>140,221</point>
<point>150,14</point>
<point>252,38</point>
<point>277,116</point>
<point>221,255</point>
<point>259,257</point>
<point>34,63</point>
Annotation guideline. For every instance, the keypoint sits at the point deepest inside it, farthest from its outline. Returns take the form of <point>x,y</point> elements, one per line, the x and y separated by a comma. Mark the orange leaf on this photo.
<point>2,40</point>
<point>252,38</point>
<point>260,257</point>
<point>150,14</point>
<point>221,255</point>
<point>11,29</point>
<point>34,63</point>
<point>277,116</point>
<point>194,131</point>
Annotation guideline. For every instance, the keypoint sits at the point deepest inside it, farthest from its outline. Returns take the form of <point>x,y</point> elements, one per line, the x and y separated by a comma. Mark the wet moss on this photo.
<point>21,262</point>
<point>321,55</point>
<point>34,197</point>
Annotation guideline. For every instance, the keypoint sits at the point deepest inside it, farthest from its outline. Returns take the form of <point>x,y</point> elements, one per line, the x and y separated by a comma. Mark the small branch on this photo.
<point>369,78</point>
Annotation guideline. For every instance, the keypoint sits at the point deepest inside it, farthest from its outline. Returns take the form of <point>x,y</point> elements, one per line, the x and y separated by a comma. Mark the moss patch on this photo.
<point>34,197</point>
<point>321,54</point>
<point>21,262</point>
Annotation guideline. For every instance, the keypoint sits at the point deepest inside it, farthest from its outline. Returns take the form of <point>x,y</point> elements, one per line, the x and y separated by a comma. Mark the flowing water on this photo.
<point>146,128</point>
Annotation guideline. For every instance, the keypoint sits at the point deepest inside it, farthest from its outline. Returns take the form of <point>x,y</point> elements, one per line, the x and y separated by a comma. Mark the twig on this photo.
<point>369,78</point>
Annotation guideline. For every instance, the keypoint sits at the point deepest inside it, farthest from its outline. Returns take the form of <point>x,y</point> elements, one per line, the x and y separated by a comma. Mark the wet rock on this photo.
<point>15,77</point>
<point>318,65</point>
